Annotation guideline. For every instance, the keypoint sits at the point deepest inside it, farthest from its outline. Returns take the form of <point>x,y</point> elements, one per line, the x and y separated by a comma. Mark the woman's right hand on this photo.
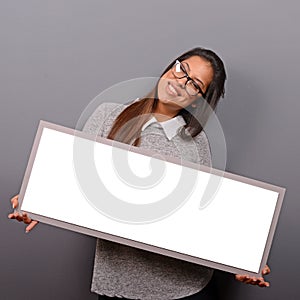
<point>21,217</point>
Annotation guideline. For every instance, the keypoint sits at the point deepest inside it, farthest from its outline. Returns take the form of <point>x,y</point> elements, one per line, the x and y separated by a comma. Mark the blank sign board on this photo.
<point>131,196</point>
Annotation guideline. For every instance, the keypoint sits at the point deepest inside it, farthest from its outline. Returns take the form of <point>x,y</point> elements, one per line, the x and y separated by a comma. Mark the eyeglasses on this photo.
<point>191,87</point>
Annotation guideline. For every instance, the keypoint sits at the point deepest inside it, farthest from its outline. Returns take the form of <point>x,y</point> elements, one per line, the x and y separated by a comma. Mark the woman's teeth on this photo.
<point>172,89</point>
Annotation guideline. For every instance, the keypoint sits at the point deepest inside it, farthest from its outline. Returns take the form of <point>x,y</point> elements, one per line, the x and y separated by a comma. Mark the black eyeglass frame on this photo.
<point>188,79</point>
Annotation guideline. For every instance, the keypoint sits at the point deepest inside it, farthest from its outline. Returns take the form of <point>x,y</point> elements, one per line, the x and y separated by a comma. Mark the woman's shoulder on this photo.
<point>102,117</point>
<point>109,108</point>
<point>113,106</point>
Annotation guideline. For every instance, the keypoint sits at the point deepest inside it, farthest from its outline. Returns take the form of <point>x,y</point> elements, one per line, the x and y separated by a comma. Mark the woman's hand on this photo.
<point>260,281</point>
<point>21,217</point>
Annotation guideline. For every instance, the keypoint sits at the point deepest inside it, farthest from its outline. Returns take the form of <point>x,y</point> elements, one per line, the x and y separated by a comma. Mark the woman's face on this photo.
<point>173,92</point>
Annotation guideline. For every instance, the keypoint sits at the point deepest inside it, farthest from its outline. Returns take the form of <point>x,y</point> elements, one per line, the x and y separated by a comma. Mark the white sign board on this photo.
<point>233,232</point>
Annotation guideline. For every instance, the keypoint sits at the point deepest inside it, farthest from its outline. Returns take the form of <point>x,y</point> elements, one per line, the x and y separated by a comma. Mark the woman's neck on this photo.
<point>163,112</point>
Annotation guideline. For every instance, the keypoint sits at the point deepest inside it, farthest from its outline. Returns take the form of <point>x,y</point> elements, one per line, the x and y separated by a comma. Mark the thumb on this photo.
<point>31,226</point>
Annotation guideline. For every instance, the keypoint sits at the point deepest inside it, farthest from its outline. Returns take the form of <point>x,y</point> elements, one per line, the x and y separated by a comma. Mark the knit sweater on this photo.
<point>123,271</point>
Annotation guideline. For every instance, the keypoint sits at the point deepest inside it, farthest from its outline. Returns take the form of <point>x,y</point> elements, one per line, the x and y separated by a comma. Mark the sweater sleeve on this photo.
<point>100,122</point>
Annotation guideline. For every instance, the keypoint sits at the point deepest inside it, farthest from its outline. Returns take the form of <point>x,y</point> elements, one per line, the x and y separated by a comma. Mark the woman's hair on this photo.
<point>135,115</point>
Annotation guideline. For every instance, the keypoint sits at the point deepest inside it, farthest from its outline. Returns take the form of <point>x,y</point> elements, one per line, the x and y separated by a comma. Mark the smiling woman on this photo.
<point>190,87</point>
<point>169,121</point>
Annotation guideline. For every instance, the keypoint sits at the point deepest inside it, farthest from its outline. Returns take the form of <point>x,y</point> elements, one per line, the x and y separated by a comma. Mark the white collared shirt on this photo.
<point>170,127</point>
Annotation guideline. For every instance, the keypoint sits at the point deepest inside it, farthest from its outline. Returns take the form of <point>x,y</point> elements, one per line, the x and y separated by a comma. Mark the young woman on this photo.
<point>169,121</point>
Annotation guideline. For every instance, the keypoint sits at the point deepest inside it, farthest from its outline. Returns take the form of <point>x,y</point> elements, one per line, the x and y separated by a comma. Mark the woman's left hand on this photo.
<point>260,281</point>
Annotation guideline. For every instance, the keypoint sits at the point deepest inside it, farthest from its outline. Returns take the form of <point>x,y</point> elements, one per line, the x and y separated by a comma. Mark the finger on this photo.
<point>15,201</point>
<point>251,280</point>
<point>260,282</point>
<point>11,216</point>
<point>238,277</point>
<point>245,278</point>
<point>241,278</point>
<point>254,281</point>
<point>266,270</point>
<point>264,284</point>
<point>26,218</point>
<point>18,217</point>
<point>260,279</point>
<point>30,226</point>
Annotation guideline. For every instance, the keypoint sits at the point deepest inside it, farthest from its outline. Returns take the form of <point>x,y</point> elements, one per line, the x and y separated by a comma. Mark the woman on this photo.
<point>170,121</point>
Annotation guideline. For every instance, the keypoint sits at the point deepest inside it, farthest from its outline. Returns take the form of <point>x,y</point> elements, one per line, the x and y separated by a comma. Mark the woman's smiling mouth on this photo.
<point>172,90</point>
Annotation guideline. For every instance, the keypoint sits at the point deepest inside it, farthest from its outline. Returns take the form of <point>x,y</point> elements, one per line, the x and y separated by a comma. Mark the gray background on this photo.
<point>56,56</point>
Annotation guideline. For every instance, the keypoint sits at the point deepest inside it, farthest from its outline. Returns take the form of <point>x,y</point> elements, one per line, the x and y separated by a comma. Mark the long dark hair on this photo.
<point>195,118</point>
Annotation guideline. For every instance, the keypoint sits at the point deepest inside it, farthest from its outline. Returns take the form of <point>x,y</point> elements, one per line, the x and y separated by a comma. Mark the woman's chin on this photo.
<point>171,103</point>
<point>167,100</point>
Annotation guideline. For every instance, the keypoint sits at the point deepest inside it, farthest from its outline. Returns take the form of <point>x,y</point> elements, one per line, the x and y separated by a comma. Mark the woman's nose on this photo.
<point>181,82</point>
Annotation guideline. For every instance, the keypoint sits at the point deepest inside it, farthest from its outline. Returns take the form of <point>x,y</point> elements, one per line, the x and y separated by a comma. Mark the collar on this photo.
<point>170,127</point>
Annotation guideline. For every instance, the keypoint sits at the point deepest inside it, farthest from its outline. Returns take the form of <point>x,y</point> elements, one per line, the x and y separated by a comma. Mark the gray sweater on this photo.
<point>123,271</point>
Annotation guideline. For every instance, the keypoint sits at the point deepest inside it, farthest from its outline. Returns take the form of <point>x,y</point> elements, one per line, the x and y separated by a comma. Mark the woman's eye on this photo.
<point>182,69</point>
<point>195,86</point>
